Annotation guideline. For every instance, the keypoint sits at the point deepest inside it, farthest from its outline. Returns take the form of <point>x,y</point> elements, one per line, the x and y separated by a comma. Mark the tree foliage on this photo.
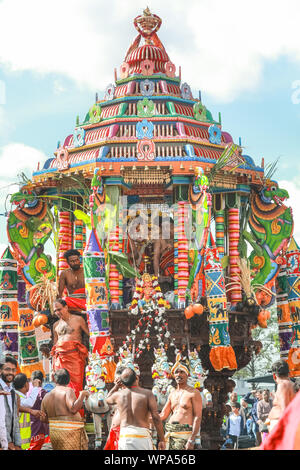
<point>262,363</point>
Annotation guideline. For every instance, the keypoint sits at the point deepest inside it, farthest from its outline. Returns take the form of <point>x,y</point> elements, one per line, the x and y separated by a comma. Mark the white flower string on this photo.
<point>150,302</point>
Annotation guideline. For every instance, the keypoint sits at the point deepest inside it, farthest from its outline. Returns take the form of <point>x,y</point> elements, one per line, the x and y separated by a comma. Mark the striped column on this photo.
<point>79,236</point>
<point>285,331</point>
<point>181,254</point>
<point>28,346</point>
<point>9,317</point>
<point>96,293</point>
<point>175,258</point>
<point>65,239</point>
<point>120,275</point>
<point>293,278</point>
<point>114,275</point>
<point>222,355</point>
<point>234,236</point>
<point>220,232</point>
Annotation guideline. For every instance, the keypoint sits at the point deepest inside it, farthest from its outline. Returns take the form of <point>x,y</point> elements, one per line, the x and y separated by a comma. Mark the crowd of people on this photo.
<point>258,412</point>
<point>23,425</point>
<point>32,417</point>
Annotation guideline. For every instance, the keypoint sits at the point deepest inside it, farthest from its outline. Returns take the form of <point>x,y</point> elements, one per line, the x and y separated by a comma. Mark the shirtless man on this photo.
<point>185,404</point>
<point>162,246</point>
<point>68,352</point>
<point>72,279</point>
<point>135,404</point>
<point>114,432</point>
<point>284,394</point>
<point>61,406</point>
<point>138,243</point>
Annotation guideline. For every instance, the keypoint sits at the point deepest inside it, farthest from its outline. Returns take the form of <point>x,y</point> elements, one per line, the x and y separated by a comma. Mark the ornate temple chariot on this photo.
<point>162,205</point>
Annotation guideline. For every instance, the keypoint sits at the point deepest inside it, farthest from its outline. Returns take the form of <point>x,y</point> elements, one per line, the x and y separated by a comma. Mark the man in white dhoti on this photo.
<point>135,405</point>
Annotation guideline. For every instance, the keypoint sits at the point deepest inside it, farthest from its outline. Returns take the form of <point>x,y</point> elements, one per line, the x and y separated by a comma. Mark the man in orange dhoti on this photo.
<point>68,351</point>
<point>72,279</point>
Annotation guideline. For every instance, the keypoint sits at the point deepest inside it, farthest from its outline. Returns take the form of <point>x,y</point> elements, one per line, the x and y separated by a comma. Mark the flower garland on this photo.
<point>150,302</point>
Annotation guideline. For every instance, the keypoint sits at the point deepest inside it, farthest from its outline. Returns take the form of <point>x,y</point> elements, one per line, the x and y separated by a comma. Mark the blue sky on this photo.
<point>245,65</point>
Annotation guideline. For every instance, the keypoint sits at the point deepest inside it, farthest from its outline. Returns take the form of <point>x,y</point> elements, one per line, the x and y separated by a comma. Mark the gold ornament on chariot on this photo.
<point>275,227</point>
<point>259,261</point>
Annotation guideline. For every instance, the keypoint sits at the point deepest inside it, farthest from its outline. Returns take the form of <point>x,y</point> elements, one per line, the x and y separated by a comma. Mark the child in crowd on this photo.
<point>234,427</point>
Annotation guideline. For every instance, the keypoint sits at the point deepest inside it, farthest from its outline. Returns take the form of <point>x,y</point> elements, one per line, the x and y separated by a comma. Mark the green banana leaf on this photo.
<point>86,219</point>
<point>192,272</point>
<point>225,262</point>
<point>122,263</point>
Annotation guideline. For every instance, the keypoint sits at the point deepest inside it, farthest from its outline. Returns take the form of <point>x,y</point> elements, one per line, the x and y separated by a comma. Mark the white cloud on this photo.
<point>14,159</point>
<point>58,87</point>
<point>17,157</point>
<point>3,247</point>
<point>6,127</point>
<point>221,46</point>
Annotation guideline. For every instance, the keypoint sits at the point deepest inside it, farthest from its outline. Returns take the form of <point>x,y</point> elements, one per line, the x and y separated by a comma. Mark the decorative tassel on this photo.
<point>234,235</point>
<point>285,330</point>
<point>222,355</point>
<point>28,348</point>
<point>9,304</point>
<point>65,238</point>
<point>293,277</point>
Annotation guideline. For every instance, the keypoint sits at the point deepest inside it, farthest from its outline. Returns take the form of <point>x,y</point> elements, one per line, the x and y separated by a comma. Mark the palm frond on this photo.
<point>45,291</point>
<point>271,169</point>
<point>229,157</point>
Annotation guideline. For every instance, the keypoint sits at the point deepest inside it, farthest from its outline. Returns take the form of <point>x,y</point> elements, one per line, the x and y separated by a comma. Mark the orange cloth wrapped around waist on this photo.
<point>77,300</point>
<point>71,355</point>
<point>113,439</point>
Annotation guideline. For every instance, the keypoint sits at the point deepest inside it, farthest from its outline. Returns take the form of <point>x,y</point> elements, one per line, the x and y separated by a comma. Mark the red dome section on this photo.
<point>157,55</point>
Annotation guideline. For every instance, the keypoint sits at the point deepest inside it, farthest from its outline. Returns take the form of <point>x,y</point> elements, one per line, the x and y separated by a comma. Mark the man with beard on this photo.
<point>72,279</point>
<point>185,404</point>
<point>7,374</point>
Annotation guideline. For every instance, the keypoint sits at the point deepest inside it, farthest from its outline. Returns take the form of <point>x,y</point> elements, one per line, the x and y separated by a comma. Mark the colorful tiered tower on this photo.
<point>148,138</point>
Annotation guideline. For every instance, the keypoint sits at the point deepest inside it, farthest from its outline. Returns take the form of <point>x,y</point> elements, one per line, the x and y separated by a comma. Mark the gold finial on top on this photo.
<point>147,24</point>
<point>147,12</point>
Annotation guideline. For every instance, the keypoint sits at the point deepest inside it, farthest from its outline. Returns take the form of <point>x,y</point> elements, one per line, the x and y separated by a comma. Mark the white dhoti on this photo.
<point>134,438</point>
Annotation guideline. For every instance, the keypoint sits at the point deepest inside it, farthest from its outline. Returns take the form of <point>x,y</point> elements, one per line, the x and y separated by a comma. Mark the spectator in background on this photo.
<point>39,429</point>
<point>233,401</point>
<point>247,410</point>
<point>256,397</point>
<point>25,403</point>
<point>234,427</point>
<point>264,407</point>
<point>223,430</point>
<point>7,375</point>
<point>3,437</point>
